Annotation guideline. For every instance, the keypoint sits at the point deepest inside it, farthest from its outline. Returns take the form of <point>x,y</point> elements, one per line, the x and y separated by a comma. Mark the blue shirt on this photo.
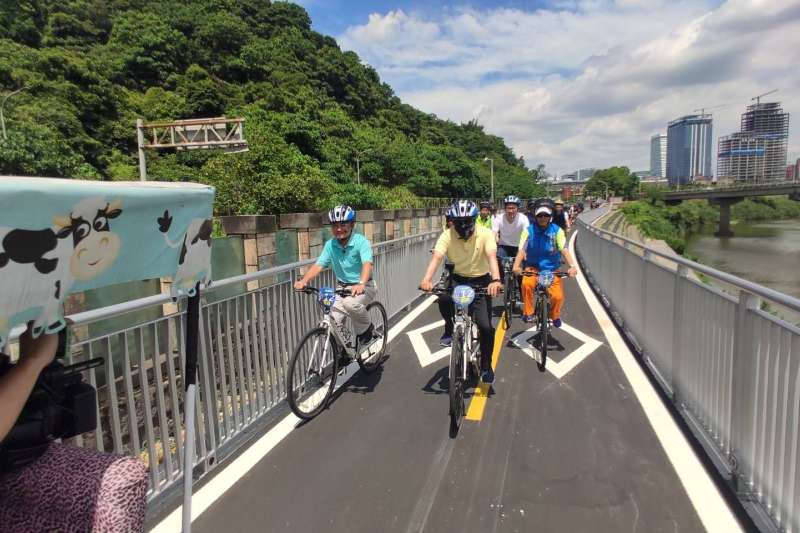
<point>348,261</point>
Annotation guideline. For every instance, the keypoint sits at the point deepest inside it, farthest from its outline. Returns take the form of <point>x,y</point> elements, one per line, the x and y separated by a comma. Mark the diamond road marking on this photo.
<point>573,359</point>
<point>424,353</point>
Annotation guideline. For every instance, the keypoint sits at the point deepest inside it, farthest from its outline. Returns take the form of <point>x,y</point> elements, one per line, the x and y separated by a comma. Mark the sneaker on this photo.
<point>446,340</point>
<point>487,376</point>
<point>557,322</point>
<point>365,337</point>
<point>527,318</point>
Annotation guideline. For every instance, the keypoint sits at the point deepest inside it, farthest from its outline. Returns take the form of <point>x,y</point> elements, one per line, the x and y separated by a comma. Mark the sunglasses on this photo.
<point>543,215</point>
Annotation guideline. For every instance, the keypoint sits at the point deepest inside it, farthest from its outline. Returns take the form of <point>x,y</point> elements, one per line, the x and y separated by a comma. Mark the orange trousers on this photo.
<point>556,292</point>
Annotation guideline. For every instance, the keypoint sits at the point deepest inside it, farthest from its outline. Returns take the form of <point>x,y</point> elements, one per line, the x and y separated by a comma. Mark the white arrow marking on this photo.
<point>560,369</point>
<point>421,348</point>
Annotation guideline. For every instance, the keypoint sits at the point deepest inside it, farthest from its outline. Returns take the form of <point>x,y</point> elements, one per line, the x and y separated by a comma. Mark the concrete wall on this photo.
<point>273,240</point>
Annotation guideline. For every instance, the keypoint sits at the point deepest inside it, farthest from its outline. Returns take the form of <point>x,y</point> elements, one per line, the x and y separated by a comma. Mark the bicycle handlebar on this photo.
<point>479,291</point>
<point>315,290</point>
<point>557,274</point>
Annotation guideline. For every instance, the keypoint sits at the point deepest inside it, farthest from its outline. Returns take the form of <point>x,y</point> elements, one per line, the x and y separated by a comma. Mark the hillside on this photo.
<point>92,67</point>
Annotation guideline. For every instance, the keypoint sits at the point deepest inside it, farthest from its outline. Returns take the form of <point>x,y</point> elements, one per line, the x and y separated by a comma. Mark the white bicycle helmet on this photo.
<point>341,213</point>
<point>511,199</point>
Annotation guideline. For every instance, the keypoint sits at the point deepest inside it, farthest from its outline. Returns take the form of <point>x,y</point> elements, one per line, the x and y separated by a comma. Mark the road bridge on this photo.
<point>725,197</point>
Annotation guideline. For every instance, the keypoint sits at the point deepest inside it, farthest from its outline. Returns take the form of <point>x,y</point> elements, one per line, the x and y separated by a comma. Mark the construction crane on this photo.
<point>703,109</point>
<point>758,98</point>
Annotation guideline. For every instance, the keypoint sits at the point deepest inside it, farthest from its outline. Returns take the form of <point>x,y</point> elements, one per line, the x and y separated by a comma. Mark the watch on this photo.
<point>498,280</point>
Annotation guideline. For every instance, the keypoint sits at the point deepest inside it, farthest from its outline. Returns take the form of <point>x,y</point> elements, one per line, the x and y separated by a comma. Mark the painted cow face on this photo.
<point>96,247</point>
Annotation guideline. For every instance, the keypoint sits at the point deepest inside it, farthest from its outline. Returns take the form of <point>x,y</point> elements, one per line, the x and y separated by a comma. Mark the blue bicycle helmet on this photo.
<point>511,199</point>
<point>341,213</point>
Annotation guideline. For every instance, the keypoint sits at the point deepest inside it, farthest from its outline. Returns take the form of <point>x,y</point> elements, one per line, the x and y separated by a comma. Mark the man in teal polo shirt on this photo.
<point>350,256</point>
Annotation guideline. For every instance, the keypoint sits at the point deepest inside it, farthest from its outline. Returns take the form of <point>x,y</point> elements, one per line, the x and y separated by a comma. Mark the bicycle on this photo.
<point>312,372</point>
<point>541,309</point>
<point>511,293</point>
<point>465,341</point>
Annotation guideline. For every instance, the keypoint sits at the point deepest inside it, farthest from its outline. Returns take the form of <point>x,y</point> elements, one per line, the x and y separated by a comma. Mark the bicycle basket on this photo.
<point>546,278</point>
<point>327,296</point>
<point>463,295</point>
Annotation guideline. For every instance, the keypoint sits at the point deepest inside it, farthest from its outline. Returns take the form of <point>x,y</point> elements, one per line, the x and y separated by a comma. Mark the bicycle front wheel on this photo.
<point>456,380</point>
<point>312,374</point>
<point>371,355</point>
<point>544,329</point>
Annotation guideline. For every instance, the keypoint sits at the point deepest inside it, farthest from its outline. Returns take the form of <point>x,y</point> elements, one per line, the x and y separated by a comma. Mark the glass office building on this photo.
<point>689,149</point>
<point>658,155</point>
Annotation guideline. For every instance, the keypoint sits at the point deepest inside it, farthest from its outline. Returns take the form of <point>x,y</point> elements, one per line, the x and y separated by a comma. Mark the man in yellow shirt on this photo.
<point>472,249</point>
<point>485,218</point>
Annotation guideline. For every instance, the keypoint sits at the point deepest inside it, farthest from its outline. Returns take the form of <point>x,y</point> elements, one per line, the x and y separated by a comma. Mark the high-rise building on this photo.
<point>758,151</point>
<point>689,149</point>
<point>658,155</point>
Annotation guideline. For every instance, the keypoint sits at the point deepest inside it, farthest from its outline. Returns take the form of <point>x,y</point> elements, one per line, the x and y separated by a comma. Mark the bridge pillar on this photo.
<point>724,229</point>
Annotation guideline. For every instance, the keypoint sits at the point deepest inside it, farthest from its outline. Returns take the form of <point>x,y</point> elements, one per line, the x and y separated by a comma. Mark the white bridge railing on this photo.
<point>246,342</point>
<point>731,367</point>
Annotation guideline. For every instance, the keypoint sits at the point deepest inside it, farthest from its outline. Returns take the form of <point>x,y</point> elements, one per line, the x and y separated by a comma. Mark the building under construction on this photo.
<point>758,151</point>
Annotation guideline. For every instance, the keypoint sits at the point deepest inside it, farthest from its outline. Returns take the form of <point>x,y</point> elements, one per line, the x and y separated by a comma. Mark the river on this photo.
<point>767,253</point>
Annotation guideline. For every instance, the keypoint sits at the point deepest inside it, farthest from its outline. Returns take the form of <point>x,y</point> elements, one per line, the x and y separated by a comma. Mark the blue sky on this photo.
<point>577,83</point>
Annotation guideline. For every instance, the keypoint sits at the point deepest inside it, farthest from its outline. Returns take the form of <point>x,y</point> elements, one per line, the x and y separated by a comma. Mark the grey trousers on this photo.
<point>355,307</point>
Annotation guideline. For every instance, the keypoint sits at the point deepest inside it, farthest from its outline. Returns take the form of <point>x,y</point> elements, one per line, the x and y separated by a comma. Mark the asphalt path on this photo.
<point>561,453</point>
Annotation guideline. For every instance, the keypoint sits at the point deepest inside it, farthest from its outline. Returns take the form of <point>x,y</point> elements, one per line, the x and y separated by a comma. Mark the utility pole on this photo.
<point>359,153</point>
<point>2,105</point>
<point>491,173</point>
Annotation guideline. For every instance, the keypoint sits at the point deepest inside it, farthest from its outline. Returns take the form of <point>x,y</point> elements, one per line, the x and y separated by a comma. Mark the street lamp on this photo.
<point>359,153</point>
<point>491,170</point>
<point>2,118</point>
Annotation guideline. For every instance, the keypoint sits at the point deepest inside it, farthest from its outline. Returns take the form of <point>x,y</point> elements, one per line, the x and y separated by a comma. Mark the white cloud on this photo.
<point>587,83</point>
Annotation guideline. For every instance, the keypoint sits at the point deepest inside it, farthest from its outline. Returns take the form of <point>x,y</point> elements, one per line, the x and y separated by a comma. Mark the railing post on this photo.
<point>643,315</point>
<point>742,402</point>
<point>678,329</point>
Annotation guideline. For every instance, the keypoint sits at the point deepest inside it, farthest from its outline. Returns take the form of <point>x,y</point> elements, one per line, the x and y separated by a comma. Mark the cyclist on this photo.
<point>485,216</point>
<point>472,250</point>
<point>508,227</point>
<point>560,217</point>
<point>541,247</point>
<point>350,255</point>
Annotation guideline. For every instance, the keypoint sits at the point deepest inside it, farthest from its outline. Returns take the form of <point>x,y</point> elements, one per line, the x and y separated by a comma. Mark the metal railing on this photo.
<point>246,342</point>
<point>731,367</point>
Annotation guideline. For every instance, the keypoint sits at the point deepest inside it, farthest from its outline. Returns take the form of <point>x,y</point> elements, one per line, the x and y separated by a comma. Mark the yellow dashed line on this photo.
<point>478,402</point>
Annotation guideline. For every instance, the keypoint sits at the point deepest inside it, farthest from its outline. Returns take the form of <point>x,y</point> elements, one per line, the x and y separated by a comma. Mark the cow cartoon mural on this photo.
<point>46,262</point>
<point>60,236</point>
<point>195,256</point>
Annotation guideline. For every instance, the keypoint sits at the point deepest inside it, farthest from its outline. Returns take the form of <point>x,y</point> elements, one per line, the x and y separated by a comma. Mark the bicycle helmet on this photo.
<point>511,199</point>
<point>341,213</point>
<point>559,202</point>
<point>485,203</point>
<point>463,214</point>
<point>543,205</point>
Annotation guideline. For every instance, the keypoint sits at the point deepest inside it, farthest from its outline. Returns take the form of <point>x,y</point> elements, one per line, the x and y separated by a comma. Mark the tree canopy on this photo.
<point>90,68</point>
<point>619,181</point>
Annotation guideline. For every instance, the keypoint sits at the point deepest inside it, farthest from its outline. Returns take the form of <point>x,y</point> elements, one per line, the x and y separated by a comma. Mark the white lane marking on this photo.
<point>709,504</point>
<point>421,348</point>
<point>228,476</point>
<point>560,368</point>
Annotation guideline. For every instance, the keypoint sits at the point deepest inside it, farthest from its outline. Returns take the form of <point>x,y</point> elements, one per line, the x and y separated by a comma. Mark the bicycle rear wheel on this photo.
<point>544,330</point>
<point>370,356</point>
<point>456,381</point>
<point>312,374</point>
<point>508,299</point>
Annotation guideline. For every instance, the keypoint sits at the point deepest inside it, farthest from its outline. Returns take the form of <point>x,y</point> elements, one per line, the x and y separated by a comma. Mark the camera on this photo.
<point>61,405</point>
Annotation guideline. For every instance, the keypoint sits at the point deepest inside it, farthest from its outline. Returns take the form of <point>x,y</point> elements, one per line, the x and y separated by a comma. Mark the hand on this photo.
<point>426,285</point>
<point>39,351</point>
<point>494,288</point>
<point>572,272</point>
<point>300,285</point>
<point>355,290</point>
